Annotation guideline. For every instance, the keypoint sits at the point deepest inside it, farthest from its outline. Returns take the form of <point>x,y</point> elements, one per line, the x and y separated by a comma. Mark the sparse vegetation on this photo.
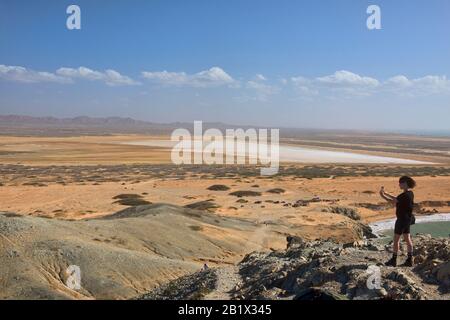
<point>381,206</point>
<point>43,175</point>
<point>203,205</point>
<point>351,213</point>
<point>276,190</point>
<point>127,196</point>
<point>11,215</point>
<point>131,200</point>
<point>196,228</point>
<point>218,187</point>
<point>245,193</point>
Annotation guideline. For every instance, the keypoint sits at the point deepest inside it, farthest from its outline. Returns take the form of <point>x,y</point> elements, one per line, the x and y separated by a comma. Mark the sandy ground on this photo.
<point>79,150</point>
<point>76,178</point>
<point>113,149</point>
<point>76,201</point>
<point>94,197</point>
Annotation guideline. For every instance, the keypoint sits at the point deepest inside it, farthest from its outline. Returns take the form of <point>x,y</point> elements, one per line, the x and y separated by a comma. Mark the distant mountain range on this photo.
<point>123,123</point>
<point>84,125</point>
<point>77,121</point>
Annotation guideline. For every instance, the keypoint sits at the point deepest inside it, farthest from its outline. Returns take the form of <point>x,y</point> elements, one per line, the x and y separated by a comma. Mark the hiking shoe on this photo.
<point>408,263</point>
<point>391,263</point>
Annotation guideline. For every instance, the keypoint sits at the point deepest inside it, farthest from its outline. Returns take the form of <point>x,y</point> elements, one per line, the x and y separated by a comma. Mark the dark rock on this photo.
<point>276,190</point>
<point>245,193</point>
<point>312,294</point>
<point>203,205</point>
<point>218,187</point>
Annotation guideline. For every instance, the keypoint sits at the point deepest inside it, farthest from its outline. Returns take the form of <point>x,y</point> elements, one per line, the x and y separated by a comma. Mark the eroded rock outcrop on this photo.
<point>325,270</point>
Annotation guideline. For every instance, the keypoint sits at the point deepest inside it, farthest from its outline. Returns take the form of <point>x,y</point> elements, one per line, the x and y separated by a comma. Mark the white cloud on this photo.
<point>262,90</point>
<point>215,74</point>
<point>300,80</point>
<point>212,77</point>
<point>348,84</point>
<point>81,72</point>
<point>114,78</point>
<point>346,78</point>
<point>63,75</point>
<point>21,74</point>
<point>258,89</point>
<point>340,84</point>
<point>110,77</point>
<point>171,78</point>
<point>260,77</point>
<point>427,85</point>
<point>432,84</point>
<point>400,81</point>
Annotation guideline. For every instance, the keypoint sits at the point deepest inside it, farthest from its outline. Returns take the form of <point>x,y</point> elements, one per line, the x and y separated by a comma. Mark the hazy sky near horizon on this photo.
<point>310,63</point>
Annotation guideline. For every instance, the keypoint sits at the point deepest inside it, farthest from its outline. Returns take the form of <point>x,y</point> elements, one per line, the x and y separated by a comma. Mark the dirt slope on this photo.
<point>120,256</point>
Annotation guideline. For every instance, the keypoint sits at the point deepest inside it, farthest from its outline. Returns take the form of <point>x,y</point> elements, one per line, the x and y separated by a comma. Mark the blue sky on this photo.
<point>265,62</point>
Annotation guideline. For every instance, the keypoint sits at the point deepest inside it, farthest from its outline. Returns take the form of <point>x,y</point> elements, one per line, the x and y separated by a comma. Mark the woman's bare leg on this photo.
<point>409,262</point>
<point>407,238</point>
<point>396,243</point>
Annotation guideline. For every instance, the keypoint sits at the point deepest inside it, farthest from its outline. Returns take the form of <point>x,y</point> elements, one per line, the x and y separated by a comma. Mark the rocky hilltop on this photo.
<point>309,270</point>
<point>120,255</point>
<point>155,251</point>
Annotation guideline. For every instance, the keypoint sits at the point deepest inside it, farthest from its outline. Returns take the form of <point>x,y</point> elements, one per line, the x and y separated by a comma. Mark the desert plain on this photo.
<point>101,199</point>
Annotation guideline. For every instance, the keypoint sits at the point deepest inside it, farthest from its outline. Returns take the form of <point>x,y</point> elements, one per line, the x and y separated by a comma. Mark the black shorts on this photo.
<point>402,226</point>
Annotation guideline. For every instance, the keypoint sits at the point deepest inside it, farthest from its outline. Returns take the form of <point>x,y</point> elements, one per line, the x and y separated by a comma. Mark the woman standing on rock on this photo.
<point>404,203</point>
